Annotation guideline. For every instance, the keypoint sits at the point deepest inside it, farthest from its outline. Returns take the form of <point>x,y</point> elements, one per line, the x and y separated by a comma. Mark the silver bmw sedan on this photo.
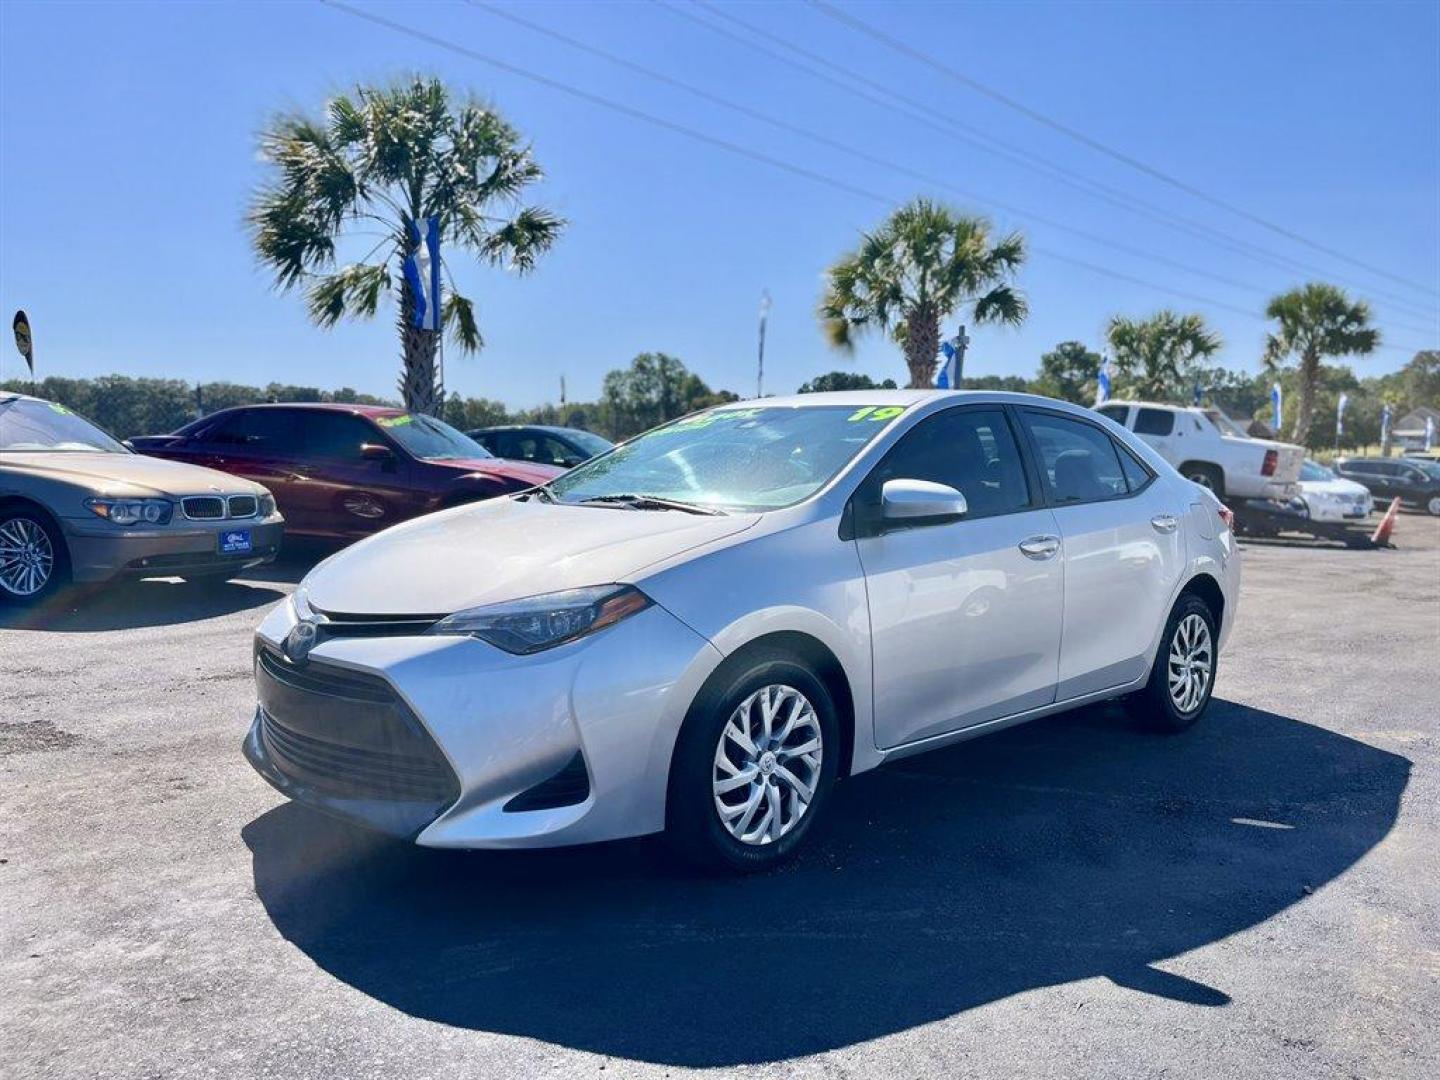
<point>701,631</point>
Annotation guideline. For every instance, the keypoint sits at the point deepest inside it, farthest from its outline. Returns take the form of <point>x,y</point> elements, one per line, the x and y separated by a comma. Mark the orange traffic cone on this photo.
<point>1387,525</point>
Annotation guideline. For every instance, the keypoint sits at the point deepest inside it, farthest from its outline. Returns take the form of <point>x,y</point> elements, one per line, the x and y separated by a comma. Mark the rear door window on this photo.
<point>1078,462</point>
<point>260,431</point>
<point>1115,412</point>
<point>1154,422</point>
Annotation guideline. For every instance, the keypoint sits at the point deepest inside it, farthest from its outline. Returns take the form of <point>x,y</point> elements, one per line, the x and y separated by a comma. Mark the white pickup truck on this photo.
<point>1208,448</point>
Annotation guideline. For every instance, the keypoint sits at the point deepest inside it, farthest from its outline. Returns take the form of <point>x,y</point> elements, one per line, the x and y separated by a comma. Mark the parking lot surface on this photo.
<point>1259,897</point>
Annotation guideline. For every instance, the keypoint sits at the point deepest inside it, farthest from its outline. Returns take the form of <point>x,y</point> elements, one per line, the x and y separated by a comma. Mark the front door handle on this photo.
<point>1039,547</point>
<point>1165,523</point>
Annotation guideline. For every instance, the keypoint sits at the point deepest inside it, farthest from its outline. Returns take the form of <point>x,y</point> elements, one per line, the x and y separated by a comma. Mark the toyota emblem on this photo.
<point>300,640</point>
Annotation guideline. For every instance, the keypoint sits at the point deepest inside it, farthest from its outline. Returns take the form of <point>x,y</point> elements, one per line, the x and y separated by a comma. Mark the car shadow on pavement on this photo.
<point>1074,847</point>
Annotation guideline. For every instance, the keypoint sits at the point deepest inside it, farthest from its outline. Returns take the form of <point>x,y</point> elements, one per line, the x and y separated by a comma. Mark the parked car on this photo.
<point>1208,448</point>
<point>1415,480</point>
<point>561,446</point>
<point>1324,496</point>
<point>340,472</point>
<point>76,505</point>
<point>703,630</point>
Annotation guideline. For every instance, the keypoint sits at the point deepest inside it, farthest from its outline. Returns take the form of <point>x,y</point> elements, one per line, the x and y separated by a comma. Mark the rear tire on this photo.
<point>1183,675</point>
<point>1207,476</point>
<point>753,767</point>
<point>1433,506</point>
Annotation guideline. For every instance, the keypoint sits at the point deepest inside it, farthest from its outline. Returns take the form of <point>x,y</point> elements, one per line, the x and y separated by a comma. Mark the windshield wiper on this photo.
<point>541,492</point>
<point>654,502</point>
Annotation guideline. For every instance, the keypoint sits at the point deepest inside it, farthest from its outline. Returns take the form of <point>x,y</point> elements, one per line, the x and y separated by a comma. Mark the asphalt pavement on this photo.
<point>1259,897</point>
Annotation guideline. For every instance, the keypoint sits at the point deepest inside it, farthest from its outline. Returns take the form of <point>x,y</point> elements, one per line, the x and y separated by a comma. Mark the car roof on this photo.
<point>326,406</point>
<point>556,429</point>
<point>856,399</point>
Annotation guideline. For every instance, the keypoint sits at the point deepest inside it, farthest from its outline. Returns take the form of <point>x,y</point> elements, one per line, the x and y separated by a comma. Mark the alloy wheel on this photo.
<point>1434,505</point>
<point>1191,663</point>
<point>27,557</point>
<point>767,765</point>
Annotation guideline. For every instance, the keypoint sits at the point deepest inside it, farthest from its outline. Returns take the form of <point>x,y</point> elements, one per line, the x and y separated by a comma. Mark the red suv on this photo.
<point>343,471</point>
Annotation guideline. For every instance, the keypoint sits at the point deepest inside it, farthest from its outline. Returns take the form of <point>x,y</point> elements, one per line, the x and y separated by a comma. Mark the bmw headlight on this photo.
<point>131,511</point>
<point>542,622</point>
<point>266,506</point>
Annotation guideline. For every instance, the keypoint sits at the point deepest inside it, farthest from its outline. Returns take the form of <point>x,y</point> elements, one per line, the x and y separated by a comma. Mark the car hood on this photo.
<point>1338,486</point>
<point>526,472</point>
<point>133,475</point>
<point>504,549</point>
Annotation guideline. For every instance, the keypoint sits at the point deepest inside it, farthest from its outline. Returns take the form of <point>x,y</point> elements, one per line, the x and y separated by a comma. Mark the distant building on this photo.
<point>1409,430</point>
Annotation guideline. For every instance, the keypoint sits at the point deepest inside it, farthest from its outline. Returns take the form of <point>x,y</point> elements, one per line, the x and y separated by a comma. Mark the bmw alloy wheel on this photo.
<point>27,558</point>
<point>767,764</point>
<point>1192,659</point>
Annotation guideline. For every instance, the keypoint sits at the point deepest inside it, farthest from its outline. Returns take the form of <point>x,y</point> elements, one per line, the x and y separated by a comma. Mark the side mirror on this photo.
<point>919,502</point>
<point>378,452</point>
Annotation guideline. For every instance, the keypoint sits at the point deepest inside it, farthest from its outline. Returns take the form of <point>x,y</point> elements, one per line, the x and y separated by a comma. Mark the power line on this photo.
<point>725,144</point>
<point>859,154</point>
<point>850,80</point>
<point>1095,144</point>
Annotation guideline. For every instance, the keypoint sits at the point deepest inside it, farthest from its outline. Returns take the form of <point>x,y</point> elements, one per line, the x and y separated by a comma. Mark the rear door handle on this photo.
<point>1165,523</point>
<point>1039,547</point>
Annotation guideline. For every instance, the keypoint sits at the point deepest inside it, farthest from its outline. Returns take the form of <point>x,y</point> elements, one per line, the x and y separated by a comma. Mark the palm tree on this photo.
<point>1155,356</point>
<point>1316,321</point>
<point>924,263</point>
<point>392,157</point>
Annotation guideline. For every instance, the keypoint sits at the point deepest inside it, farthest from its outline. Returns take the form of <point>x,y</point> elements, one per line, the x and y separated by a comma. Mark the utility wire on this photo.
<point>850,80</point>
<point>1081,137</point>
<point>852,151</point>
<point>732,147</point>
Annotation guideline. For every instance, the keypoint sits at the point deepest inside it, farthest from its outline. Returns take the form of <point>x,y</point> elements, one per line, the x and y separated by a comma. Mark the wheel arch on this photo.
<point>1204,586</point>
<point>807,650</point>
<point>1201,464</point>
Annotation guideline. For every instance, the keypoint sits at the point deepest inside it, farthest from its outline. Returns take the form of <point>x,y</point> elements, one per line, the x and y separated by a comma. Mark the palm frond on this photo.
<point>353,291</point>
<point>458,316</point>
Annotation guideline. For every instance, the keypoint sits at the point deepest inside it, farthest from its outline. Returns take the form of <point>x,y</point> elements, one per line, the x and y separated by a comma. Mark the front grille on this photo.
<point>348,734</point>
<point>243,506</point>
<point>203,507</point>
<point>344,624</point>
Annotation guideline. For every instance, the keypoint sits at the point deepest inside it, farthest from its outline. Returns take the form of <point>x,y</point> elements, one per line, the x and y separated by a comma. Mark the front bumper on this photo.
<point>100,551</point>
<point>504,727</point>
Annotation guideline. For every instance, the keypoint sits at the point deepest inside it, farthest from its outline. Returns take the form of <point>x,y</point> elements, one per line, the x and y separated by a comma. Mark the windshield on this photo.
<point>589,442</point>
<point>27,426</point>
<point>1429,468</point>
<point>1225,425</point>
<point>430,439</point>
<point>755,458</point>
<point>1313,470</point>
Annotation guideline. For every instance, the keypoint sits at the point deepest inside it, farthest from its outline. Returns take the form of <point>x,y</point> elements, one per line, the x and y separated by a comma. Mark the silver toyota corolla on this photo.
<point>702,630</point>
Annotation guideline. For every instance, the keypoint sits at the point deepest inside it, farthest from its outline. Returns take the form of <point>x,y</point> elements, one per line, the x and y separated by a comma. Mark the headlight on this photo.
<point>542,622</point>
<point>266,506</point>
<point>300,602</point>
<point>131,511</point>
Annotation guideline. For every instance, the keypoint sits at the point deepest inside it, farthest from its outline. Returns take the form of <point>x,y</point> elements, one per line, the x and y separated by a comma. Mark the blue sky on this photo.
<point>128,153</point>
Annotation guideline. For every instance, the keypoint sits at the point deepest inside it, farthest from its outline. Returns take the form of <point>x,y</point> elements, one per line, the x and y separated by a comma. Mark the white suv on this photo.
<point>1206,446</point>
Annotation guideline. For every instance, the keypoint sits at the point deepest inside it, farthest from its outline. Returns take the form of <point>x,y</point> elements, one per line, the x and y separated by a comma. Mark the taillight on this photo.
<point>1228,516</point>
<point>1272,459</point>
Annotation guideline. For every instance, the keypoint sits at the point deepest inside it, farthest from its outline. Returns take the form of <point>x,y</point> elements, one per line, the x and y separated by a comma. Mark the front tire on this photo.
<point>1433,506</point>
<point>753,767</point>
<point>1183,675</point>
<point>34,561</point>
